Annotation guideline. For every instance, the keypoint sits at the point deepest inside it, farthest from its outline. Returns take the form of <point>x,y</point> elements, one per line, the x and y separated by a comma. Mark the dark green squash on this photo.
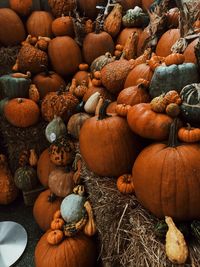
<point>25,178</point>
<point>173,77</point>
<point>12,87</point>
<point>190,107</point>
<point>135,18</point>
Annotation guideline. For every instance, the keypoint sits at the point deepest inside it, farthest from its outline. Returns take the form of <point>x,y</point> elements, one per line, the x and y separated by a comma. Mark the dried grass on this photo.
<point>125,229</point>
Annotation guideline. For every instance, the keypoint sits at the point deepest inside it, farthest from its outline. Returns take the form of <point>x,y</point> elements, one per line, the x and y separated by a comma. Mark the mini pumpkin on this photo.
<point>125,184</point>
<point>122,109</point>
<point>55,237</point>
<point>57,224</point>
<point>189,134</point>
<point>173,97</point>
<point>63,26</point>
<point>155,61</point>
<point>174,58</point>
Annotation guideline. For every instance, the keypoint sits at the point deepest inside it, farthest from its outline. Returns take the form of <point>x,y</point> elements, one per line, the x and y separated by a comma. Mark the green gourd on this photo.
<point>13,87</point>
<point>135,18</point>
<point>25,178</point>
<point>166,78</point>
<point>55,129</point>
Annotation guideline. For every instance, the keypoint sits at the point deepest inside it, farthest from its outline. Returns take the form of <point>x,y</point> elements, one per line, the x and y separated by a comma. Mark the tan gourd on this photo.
<point>176,247</point>
<point>90,227</point>
<point>91,103</point>
<point>99,104</point>
<point>33,159</point>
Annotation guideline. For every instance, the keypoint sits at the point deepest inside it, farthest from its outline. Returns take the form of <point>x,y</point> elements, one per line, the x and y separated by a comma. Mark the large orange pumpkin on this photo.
<point>166,179</point>
<point>147,123</point>
<point>39,24</point>
<point>21,7</point>
<point>65,55</point>
<point>44,208</point>
<point>12,30</point>
<point>189,53</point>
<point>79,250</point>
<point>63,26</point>
<point>107,144</point>
<point>44,167</point>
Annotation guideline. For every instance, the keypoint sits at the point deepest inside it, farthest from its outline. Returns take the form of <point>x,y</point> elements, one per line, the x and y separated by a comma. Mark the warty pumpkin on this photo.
<point>21,112</point>
<point>106,133</point>
<point>145,122</point>
<point>44,167</point>
<point>163,168</point>
<point>59,7</point>
<point>46,203</point>
<point>21,7</point>
<point>39,24</point>
<point>79,250</point>
<point>13,31</point>
<point>65,48</point>
<point>8,189</point>
<point>63,26</point>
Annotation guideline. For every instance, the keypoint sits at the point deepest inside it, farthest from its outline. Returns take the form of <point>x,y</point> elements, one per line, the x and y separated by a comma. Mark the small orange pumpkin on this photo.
<point>122,109</point>
<point>155,61</point>
<point>189,134</point>
<point>96,82</point>
<point>57,224</point>
<point>174,58</point>
<point>173,97</point>
<point>125,184</point>
<point>83,66</point>
<point>57,214</point>
<point>55,237</point>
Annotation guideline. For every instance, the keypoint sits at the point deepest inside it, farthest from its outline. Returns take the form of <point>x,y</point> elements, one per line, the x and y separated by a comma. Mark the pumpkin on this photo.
<point>114,74</point>
<point>189,52</point>
<point>88,7</point>
<point>190,103</point>
<point>155,61</point>
<point>39,24</point>
<point>174,76</point>
<point>122,109</point>
<point>78,250</point>
<point>145,122</point>
<point>174,58</point>
<point>46,203</point>
<point>125,33</point>
<point>83,66</point>
<point>173,97</point>
<point>61,7</point>
<point>44,167</point>
<point>66,48</point>
<point>57,215</point>
<point>63,26</point>
<point>162,168</point>
<point>75,123</point>
<point>102,41</point>
<point>173,15</point>
<point>172,110</point>
<point>57,224</point>
<point>62,151</point>
<point>158,104</point>
<point>80,76</point>
<point>22,8</point>
<point>134,95</point>
<point>189,134</point>
<point>61,182</point>
<point>140,71</point>
<point>31,59</point>
<point>13,32</point>
<point>8,189</point>
<point>55,237</point>
<point>125,184</point>
<point>166,41</point>
<point>80,89</point>
<point>111,108</point>
<point>112,23</point>
<point>59,103</point>
<point>93,89</point>
<point>106,133</point>
<point>47,81</point>
<point>146,4</point>
<point>55,129</point>
<point>15,87</point>
<point>99,62</point>
<point>21,112</point>
<point>26,178</point>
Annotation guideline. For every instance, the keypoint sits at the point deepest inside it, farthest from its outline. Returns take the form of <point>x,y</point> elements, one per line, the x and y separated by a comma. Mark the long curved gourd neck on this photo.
<point>173,140</point>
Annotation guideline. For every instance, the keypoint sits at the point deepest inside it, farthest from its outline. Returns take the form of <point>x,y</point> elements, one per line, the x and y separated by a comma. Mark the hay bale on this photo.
<point>126,229</point>
<point>8,56</point>
<point>17,139</point>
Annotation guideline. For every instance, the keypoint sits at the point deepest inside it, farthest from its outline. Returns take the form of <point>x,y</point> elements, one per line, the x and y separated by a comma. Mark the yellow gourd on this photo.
<point>176,247</point>
<point>33,159</point>
<point>90,227</point>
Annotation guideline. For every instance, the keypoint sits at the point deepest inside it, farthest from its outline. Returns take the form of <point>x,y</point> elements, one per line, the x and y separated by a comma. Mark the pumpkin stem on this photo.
<point>19,100</point>
<point>173,140</point>
<point>102,111</point>
<point>52,197</point>
<point>189,127</point>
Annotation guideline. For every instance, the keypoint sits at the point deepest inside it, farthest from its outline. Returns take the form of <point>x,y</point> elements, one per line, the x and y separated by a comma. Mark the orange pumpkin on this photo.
<point>63,26</point>
<point>61,7</point>
<point>173,97</point>
<point>173,15</point>
<point>122,109</point>
<point>189,134</point>
<point>39,24</point>
<point>147,123</point>
<point>125,184</point>
<point>155,61</point>
<point>22,8</point>
<point>125,33</point>
<point>44,167</point>
<point>88,7</point>
<point>189,52</point>
<point>174,58</point>
<point>55,237</point>
<point>57,224</point>
<point>22,112</point>
<point>79,250</point>
<point>46,203</point>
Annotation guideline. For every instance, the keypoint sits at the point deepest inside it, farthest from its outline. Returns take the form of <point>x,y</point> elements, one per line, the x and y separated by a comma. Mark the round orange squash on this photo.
<point>189,52</point>
<point>65,55</point>
<point>21,112</point>
<point>21,7</point>
<point>12,30</point>
<point>63,26</point>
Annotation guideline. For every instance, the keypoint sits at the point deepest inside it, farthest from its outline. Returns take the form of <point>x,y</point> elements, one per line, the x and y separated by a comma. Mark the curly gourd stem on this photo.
<point>102,112</point>
<point>173,140</point>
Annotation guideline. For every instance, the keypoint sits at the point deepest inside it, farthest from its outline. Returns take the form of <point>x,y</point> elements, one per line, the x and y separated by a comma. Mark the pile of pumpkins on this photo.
<point>111,76</point>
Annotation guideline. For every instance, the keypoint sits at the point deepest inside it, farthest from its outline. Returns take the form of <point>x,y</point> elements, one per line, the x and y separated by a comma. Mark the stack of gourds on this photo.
<point>115,80</point>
